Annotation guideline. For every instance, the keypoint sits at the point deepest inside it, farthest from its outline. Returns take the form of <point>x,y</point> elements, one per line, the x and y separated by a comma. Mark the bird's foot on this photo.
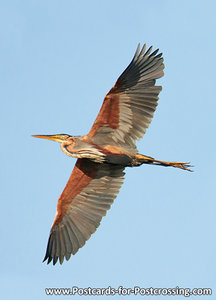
<point>180,165</point>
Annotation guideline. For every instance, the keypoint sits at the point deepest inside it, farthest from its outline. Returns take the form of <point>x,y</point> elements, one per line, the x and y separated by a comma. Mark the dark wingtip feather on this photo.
<point>143,50</point>
<point>49,259</point>
<point>137,52</point>
<point>154,53</point>
<point>46,256</point>
<point>55,259</point>
<point>159,55</point>
<point>148,51</point>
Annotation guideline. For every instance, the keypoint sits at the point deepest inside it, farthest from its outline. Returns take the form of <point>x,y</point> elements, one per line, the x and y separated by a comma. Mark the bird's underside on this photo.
<point>103,154</point>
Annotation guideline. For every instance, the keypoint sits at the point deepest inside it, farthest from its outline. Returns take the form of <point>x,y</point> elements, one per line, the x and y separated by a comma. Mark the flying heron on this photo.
<point>103,154</point>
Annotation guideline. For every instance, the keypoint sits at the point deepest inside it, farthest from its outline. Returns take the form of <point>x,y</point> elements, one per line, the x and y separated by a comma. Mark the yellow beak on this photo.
<point>56,137</point>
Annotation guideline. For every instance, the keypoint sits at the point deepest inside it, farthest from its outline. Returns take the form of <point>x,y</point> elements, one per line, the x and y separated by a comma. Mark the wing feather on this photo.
<point>88,195</point>
<point>129,106</point>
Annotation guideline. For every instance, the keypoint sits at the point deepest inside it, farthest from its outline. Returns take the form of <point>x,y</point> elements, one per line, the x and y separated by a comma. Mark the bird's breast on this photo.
<point>84,150</point>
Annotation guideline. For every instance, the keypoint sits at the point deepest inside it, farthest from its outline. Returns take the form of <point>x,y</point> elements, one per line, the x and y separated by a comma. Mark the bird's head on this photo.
<point>65,140</point>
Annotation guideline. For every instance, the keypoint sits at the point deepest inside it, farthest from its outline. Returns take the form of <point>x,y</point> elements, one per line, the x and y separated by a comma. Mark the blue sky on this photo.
<point>58,60</point>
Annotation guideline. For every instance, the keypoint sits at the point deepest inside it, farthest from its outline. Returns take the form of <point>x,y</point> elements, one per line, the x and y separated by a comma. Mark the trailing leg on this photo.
<point>143,159</point>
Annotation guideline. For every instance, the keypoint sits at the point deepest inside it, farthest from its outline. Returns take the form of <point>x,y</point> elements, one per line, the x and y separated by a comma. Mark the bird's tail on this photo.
<point>143,159</point>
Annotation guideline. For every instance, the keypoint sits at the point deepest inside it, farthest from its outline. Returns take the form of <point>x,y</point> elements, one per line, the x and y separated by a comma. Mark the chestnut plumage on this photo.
<point>103,154</point>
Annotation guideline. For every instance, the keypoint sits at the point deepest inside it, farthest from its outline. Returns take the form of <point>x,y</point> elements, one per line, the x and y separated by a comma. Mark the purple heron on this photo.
<point>103,154</point>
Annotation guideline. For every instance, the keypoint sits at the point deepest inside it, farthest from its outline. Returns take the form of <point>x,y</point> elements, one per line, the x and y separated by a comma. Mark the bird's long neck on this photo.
<point>82,149</point>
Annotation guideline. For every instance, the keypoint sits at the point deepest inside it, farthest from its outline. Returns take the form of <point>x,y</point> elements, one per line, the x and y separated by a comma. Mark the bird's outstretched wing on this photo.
<point>129,106</point>
<point>90,191</point>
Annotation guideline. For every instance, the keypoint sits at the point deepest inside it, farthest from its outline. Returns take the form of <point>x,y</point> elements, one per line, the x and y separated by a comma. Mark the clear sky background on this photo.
<point>58,60</point>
